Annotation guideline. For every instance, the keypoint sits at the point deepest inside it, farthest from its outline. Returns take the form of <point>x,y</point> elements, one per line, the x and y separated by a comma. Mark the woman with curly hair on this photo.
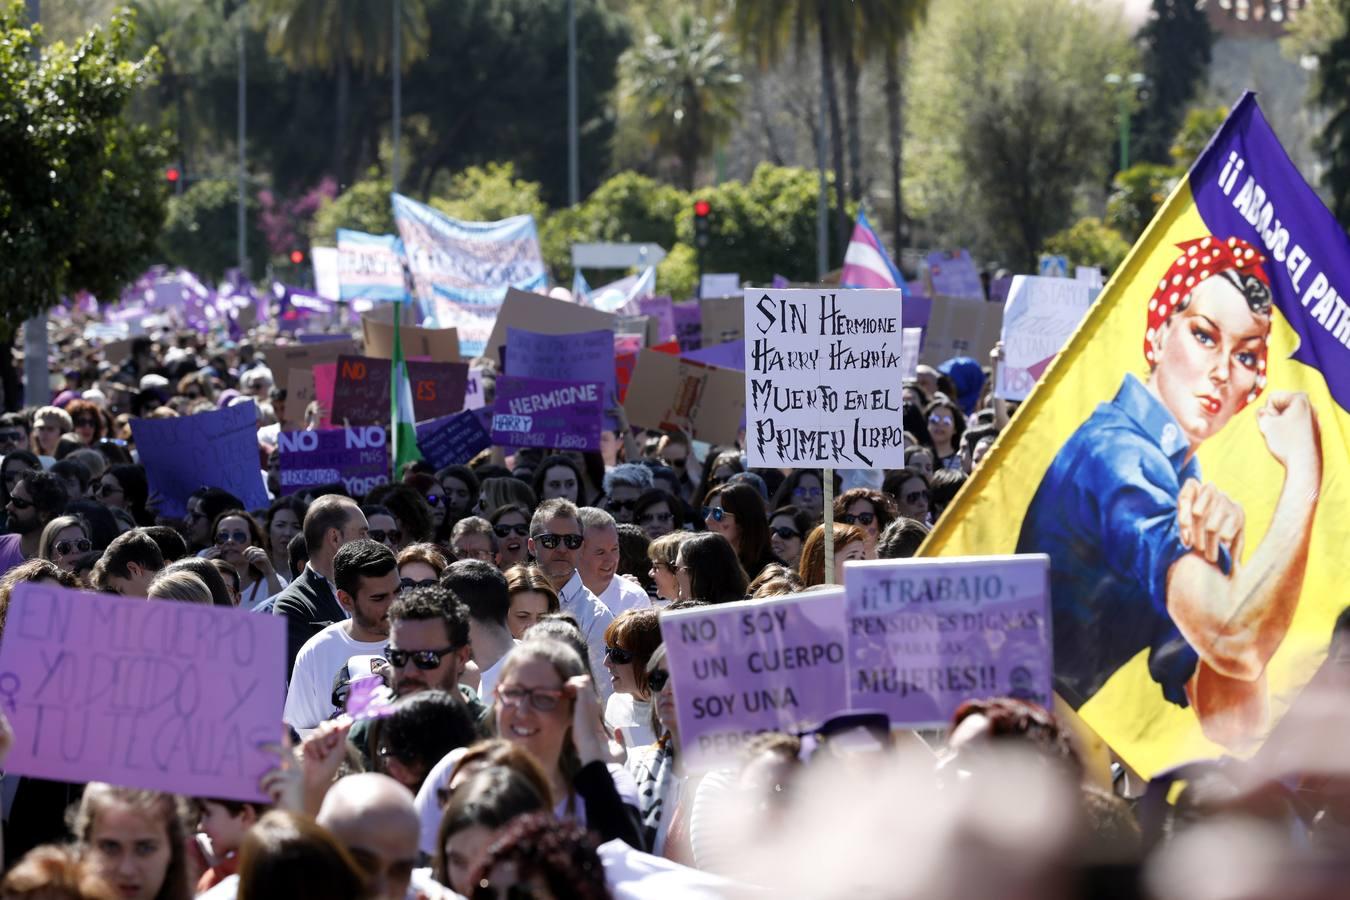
<point>538,856</point>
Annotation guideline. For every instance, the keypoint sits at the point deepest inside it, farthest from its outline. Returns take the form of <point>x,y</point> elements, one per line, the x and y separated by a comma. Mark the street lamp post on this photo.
<point>1134,81</point>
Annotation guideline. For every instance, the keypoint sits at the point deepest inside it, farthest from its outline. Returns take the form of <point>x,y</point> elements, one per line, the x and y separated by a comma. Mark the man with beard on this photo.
<point>365,574</point>
<point>38,498</point>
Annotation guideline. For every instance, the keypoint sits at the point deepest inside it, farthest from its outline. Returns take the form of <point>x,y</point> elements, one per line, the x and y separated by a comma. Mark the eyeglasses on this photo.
<point>64,548</point>
<point>433,499</point>
<point>617,505</point>
<point>426,660</point>
<point>785,533</point>
<point>550,541</point>
<point>238,537</point>
<point>407,584</point>
<point>107,490</point>
<point>507,530</point>
<point>717,513</point>
<point>85,423</point>
<point>914,497</point>
<point>391,536</point>
<point>806,492</point>
<point>656,680</point>
<point>20,503</point>
<point>936,419</point>
<point>859,519</point>
<point>618,655</point>
<point>542,699</point>
<point>663,518</point>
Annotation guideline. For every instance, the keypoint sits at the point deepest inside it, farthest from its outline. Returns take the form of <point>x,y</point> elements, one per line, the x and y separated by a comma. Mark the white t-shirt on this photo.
<point>487,681</point>
<point>622,595</point>
<point>309,699</point>
<point>423,884</point>
<point>593,617</point>
<point>631,720</point>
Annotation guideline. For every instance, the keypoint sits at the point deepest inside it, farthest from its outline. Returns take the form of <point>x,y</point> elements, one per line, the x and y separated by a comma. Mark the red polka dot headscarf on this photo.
<point>1202,258</point>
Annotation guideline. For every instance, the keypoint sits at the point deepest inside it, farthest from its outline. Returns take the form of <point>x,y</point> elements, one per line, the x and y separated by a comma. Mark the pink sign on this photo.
<point>325,383</point>
<point>744,668</point>
<point>157,694</point>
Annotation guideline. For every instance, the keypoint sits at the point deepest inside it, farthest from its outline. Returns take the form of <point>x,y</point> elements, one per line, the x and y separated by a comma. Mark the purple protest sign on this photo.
<point>452,440</point>
<point>953,274</point>
<point>534,412</point>
<point>730,355</point>
<point>662,309</point>
<point>358,457</point>
<point>584,356</point>
<point>688,325</point>
<point>209,449</point>
<point>763,665</point>
<point>927,634</point>
<point>160,695</point>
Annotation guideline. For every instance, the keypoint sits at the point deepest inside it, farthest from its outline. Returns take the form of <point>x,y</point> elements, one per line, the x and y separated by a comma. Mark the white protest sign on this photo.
<point>1039,318</point>
<point>911,342</point>
<point>1091,274</point>
<point>759,665</point>
<point>824,371</point>
<point>925,635</point>
<point>720,284</point>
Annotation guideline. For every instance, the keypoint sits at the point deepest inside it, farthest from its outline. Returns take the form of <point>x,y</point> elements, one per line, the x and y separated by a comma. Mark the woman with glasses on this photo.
<point>850,543</point>
<point>285,517</point>
<point>412,513</point>
<point>64,538</point>
<point>532,598</point>
<point>870,510</point>
<point>545,703</point>
<point>242,544</point>
<point>721,465</point>
<point>658,513</point>
<point>86,421</point>
<point>664,555</point>
<point>559,476</point>
<point>420,565</point>
<point>124,487</point>
<point>511,525</point>
<point>946,422</point>
<point>736,512</point>
<point>912,493</point>
<point>787,529</point>
<point>805,490</point>
<point>630,641</point>
<point>706,569</point>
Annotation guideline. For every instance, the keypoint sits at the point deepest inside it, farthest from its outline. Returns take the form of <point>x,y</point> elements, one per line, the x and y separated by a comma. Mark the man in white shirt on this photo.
<point>599,564</point>
<point>555,541</point>
<point>365,574</point>
<point>482,588</point>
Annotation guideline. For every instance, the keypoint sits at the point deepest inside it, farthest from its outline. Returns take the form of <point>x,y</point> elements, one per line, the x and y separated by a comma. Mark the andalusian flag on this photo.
<point>403,425</point>
<point>1185,462</point>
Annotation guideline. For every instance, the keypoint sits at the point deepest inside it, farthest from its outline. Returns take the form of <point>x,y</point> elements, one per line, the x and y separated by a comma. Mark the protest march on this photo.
<point>406,570</point>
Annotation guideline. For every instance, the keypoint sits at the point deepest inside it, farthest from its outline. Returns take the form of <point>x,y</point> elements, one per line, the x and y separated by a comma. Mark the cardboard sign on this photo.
<point>744,668</point>
<point>926,635</point>
<point>325,383</point>
<point>356,457</point>
<point>720,284</point>
<point>1039,318</point>
<point>961,328</point>
<point>361,396</point>
<point>723,319</point>
<point>953,274</point>
<point>452,440</point>
<point>211,449</point>
<point>299,394</point>
<point>584,356</point>
<point>534,412</point>
<point>436,344</point>
<point>160,695</point>
<point>282,360</point>
<point>688,325</point>
<point>544,315</point>
<point>911,340</point>
<point>673,394</point>
<point>824,371</point>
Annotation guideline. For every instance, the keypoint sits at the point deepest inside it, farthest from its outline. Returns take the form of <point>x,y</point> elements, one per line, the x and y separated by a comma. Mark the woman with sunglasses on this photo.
<point>419,731</point>
<point>630,641</point>
<point>658,513</point>
<point>788,527</point>
<point>241,543</point>
<point>64,538</point>
<point>420,565</point>
<point>870,510</point>
<point>665,791</point>
<point>532,598</point>
<point>16,463</point>
<point>736,512</point>
<point>511,525</point>
<point>545,703</point>
<point>124,487</point>
<point>946,422</point>
<point>664,554</point>
<point>87,421</point>
<point>721,464</point>
<point>912,493</point>
<point>707,569</point>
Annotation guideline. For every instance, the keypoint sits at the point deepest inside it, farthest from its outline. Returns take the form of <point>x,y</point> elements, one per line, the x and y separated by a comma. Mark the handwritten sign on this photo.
<point>953,274</point>
<point>356,457</point>
<point>160,695</point>
<point>823,379</point>
<point>673,394</point>
<point>585,356</point>
<point>1039,318</point>
<point>535,412</point>
<point>210,449</point>
<point>361,395</point>
<point>927,634</point>
<point>452,440</point>
<point>437,344</point>
<point>765,665</point>
<point>475,397</point>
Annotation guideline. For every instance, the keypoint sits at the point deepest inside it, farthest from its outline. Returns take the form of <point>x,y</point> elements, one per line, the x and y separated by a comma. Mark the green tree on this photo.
<point>80,196</point>
<point>364,207</point>
<point>1331,92</point>
<point>200,233</point>
<point>489,193</point>
<point>1136,195</point>
<point>677,274</point>
<point>628,208</point>
<point>1090,242</point>
<point>1176,42</point>
<point>1006,125</point>
<point>683,82</point>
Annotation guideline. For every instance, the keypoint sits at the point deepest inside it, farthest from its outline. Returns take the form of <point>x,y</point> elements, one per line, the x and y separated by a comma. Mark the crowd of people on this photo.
<point>512,607</point>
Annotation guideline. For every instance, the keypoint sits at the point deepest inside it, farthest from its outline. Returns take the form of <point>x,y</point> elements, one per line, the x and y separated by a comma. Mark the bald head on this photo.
<point>373,816</point>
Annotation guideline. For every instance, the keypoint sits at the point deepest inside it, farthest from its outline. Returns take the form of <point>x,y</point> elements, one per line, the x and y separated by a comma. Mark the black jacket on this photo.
<point>309,606</point>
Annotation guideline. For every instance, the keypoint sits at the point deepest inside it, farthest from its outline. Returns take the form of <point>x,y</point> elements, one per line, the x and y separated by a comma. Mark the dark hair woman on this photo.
<point>124,487</point>
<point>559,476</point>
<point>240,541</point>
<point>658,513</point>
<point>788,528</point>
<point>946,422</point>
<point>870,510</point>
<point>707,569</point>
<point>736,511</point>
<point>721,464</point>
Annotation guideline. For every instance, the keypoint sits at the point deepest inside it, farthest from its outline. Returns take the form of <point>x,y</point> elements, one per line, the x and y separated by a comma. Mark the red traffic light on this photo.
<point>297,257</point>
<point>172,175</point>
<point>702,208</point>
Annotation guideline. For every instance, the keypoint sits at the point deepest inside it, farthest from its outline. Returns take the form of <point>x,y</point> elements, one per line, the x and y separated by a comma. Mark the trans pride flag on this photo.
<point>866,264</point>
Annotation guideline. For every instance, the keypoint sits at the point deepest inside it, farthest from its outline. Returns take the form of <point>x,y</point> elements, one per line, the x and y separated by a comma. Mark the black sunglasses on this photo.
<point>859,519</point>
<point>785,533</point>
<point>618,655</point>
<point>656,680</point>
<point>107,490</point>
<point>505,530</point>
<point>716,513</point>
<point>661,518</point>
<point>78,546</point>
<point>426,660</point>
<point>393,535</point>
<point>20,503</point>
<point>239,537</point>
<point>433,499</point>
<point>616,505</point>
<point>406,584</point>
<point>915,496</point>
<point>550,541</point>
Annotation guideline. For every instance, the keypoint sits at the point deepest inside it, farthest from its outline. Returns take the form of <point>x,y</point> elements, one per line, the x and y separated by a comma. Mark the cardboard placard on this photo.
<point>670,393</point>
<point>299,394</point>
<point>961,328</point>
<point>159,694</point>
<point>436,344</point>
<point>281,360</point>
<point>210,449</point>
<point>953,274</point>
<point>356,457</point>
<point>723,319</point>
<point>544,315</point>
<point>361,395</point>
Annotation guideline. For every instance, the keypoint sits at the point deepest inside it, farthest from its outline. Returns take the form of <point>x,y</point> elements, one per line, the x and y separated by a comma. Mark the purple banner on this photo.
<point>953,274</point>
<point>730,355</point>
<point>356,457</point>
<point>534,412</point>
<point>209,449</point>
<point>662,309</point>
<point>585,356</point>
<point>927,634</point>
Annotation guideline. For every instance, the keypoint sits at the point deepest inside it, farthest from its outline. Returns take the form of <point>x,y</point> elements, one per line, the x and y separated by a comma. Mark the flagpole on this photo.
<point>828,487</point>
<point>394,386</point>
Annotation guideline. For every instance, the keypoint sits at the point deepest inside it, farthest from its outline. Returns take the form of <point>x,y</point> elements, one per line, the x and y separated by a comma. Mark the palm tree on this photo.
<point>683,79</point>
<point>339,36</point>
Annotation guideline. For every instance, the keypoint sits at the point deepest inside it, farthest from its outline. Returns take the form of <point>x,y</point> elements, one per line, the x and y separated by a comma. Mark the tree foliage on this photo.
<point>201,231</point>
<point>1331,91</point>
<point>489,193</point>
<point>628,208</point>
<point>364,206</point>
<point>1177,42</point>
<point>1090,242</point>
<point>81,201</point>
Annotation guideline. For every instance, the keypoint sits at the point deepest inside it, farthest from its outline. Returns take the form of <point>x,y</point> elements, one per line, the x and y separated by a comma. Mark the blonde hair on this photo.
<point>180,585</point>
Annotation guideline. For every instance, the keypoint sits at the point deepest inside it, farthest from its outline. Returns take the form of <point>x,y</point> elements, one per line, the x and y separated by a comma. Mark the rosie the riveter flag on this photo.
<point>1185,464</point>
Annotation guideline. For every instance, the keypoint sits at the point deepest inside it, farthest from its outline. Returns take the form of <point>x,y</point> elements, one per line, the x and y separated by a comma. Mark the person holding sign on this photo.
<point>1145,554</point>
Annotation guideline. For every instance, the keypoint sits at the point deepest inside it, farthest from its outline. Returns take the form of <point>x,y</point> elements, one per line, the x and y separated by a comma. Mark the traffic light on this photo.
<point>172,175</point>
<point>702,215</point>
<point>297,257</point>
